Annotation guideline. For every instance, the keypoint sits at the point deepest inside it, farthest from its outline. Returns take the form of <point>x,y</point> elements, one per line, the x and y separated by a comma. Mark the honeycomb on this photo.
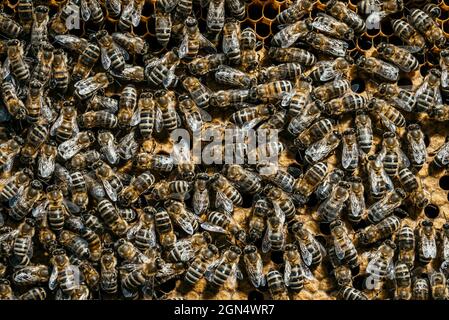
<point>259,16</point>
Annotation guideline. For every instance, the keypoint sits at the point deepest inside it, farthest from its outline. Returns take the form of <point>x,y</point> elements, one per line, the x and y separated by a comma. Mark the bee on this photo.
<point>31,275</point>
<point>216,16</point>
<point>427,249</point>
<point>400,98</point>
<point>6,292</point>
<point>233,77</point>
<point>9,27</point>
<point>403,282</point>
<point>79,190</point>
<point>330,209</point>
<point>282,203</point>
<point>111,56</point>
<point>444,65</point>
<point>13,104</point>
<point>110,180</point>
<point>23,204</point>
<point>332,27</point>
<point>298,55</point>
<point>306,117</point>
<point>326,70</point>
<point>127,106</point>
<point>69,148</point>
<point>158,162</point>
<point>111,217</point>
<point>147,107</point>
<point>193,40</point>
<point>248,53</point>
<point>386,205</point>
<point>183,217</point>
<point>64,274</point>
<point>405,239</point>
<point>86,88</point>
<point>164,228</point>
<point>277,176</point>
<point>350,293</point>
<point>294,12</point>
<point>391,154</point>
<point>350,150</point>
<point>282,71</point>
<point>14,185</point>
<point>187,248</point>
<point>42,71</point>
<point>320,42</point>
<point>350,102</point>
<point>231,41</point>
<point>65,127</point>
<point>203,65</point>
<point>34,294</point>
<point>167,102</point>
<point>271,91</point>
<point>201,263</point>
<point>344,249</point>
<point>163,26</point>
<point>420,290</point>
<point>364,131</point>
<point>329,183</point>
<point>223,223</point>
<point>429,94</point>
<point>424,23</point>
<point>23,243</point>
<point>8,151</point>
<point>341,12</point>
<point>226,269</point>
<point>315,132</point>
<point>407,180</point>
<point>257,221</point>
<point>108,272</point>
<point>86,61</point>
<point>91,11</point>
<point>39,32</point>
<point>131,14</point>
<point>390,117</point>
<point>192,115</point>
<point>75,244</point>
<point>254,266</point>
<point>61,76</point>
<point>37,135</point>
<point>197,91</point>
<point>321,149</point>
<point>287,36</point>
<point>307,184</point>
<point>380,266</point>
<point>408,34</point>
<point>16,63</point>
<point>293,274</point>
<point>401,58</point>
<point>90,274</point>
<point>441,158</point>
<point>108,146</point>
<point>201,200</point>
<point>25,11</point>
<point>250,116</point>
<point>276,285</point>
<point>438,286</point>
<point>225,98</point>
<point>141,184</point>
<point>113,8</point>
<point>133,44</point>
<point>244,180</point>
<point>143,232</point>
<point>331,90</point>
<point>378,68</point>
<point>382,230</point>
<point>356,200</point>
<point>275,235</point>
<point>98,119</point>
<point>236,8</point>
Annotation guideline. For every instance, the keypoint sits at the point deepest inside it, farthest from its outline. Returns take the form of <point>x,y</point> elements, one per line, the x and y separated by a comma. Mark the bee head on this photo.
<point>249,249</point>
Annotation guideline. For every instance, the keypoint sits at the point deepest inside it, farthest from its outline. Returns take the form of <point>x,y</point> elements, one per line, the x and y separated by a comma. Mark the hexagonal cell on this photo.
<point>364,43</point>
<point>263,30</point>
<point>446,26</point>
<point>141,29</point>
<point>148,10</point>
<point>269,11</point>
<point>385,27</point>
<point>254,11</point>
<point>431,211</point>
<point>444,182</point>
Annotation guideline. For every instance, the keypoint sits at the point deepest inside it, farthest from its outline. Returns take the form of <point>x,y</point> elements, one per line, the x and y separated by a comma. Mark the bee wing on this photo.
<point>372,267</point>
<point>47,112</point>
<point>12,202</point>
<point>222,201</point>
<point>85,10</point>
<point>306,271</point>
<point>255,273</point>
<point>322,24</point>
<point>112,194</point>
<point>193,123</point>
<point>339,252</point>
<point>286,99</point>
<point>130,235</point>
<point>71,207</point>
<point>230,44</point>
<point>403,159</point>
<point>443,154</point>
<point>200,201</point>
<point>348,155</point>
<point>421,89</point>
<point>105,59</point>
<point>252,123</point>
<point>444,76</point>
<point>266,243</point>
<point>356,204</point>
<point>212,228</point>
<point>402,104</point>
<point>110,152</point>
<point>135,16</point>
<point>53,281</point>
<point>135,119</point>
<point>206,44</point>
<point>437,96</point>
<point>429,247</point>
<point>287,273</point>
<point>318,150</point>
<point>337,47</point>
<point>46,166</point>
<point>387,123</point>
<point>119,50</point>
<point>40,211</point>
<point>183,47</point>
<point>446,248</point>
<point>215,12</point>
<point>57,124</point>
<point>185,224</point>
<point>278,211</point>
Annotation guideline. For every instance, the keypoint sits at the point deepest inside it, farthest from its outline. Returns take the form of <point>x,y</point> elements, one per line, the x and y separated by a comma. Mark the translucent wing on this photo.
<point>57,124</point>
<point>206,44</point>
<point>213,228</point>
<point>183,47</point>
<point>53,281</point>
<point>46,166</point>
<point>135,16</point>
<point>421,89</point>
<point>339,252</point>
<point>389,71</point>
<point>200,201</point>
<point>71,207</point>
<point>135,119</point>
<point>85,10</point>
<point>437,96</point>
<point>278,211</point>
<point>287,273</point>
<point>16,197</point>
<point>158,120</point>
<point>446,248</point>
<point>306,271</point>
<point>130,235</point>
<point>402,104</point>
<point>318,150</point>
<point>443,154</point>
<point>112,194</point>
<point>40,211</point>
<point>357,204</point>
<point>322,24</point>
<point>374,262</point>
<point>349,154</point>
<point>387,123</point>
<point>252,123</point>
<point>230,44</point>
<point>255,273</point>
<point>105,59</point>
<point>444,77</point>
<point>266,243</point>
<point>429,247</point>
<point>337,47</point>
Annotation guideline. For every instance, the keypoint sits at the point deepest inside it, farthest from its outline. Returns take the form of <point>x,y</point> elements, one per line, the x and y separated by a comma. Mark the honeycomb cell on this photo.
<point>446,26</point>
<point>405,83</point>
<point>269,11</point>
<point>263,30</point>
<point>148,10</point>
<point>364,43</point>
<point>385,27</point>
<point>444,182</point>
<point>141,29</point>
<point>374,31</point>
<point>358,85</point>
<point>254,11</point>
<point>277,257</point>
<point>431,211</point>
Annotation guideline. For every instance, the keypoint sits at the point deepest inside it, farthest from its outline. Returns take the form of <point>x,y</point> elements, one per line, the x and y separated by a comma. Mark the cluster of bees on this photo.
<point>94,207</point>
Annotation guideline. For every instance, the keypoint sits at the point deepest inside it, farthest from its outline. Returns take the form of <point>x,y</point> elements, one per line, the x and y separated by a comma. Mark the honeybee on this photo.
<point>386,205</point>
<point>257,221</point>
<point>341,12</point>
<point>111,55</point>
<point>163,26</point>
<point>356,200</point>
<point>198,91</point>
<point>405,239</point>
<point>231,41</point>
<point>316,131</point>
<point>326,70</point>
<point>276,285</point>
<point>282,71</point>
<point>71,42</point>
<point>275,235</point>
<point>226,268</point>
<point>281,201</point>
<point>401,98</point>
<point>16,63</point>
<point>350,150</point>
<point>343,276</point>
<point>215,16</point>
<point>223,223</point>
<point>249,117</point>
<point>37,135</point>
<point>88,87</point>
<point>364,131</point>
<point>294,272</point>
<point>424,23</point>
<point>380,265</point>
<point>31,275</point>
<point>6,292</point>
<point>34,294</point>
<point>108,146</point>
<point>243,179</point>
<point>113,8</point>
<point>308,183</point>
<point>390,117</point>
<point>130,15</point>
<point>329,183</point>
<point>164,228</point>
<point>181,216</point>
<point>254,266</point>
<point>138,186</point>
<point>225,98</point>
<point>167,102</point>
<point>233,77</point>
<point>382,230</point>
<point>321,149</point>
<point>108,271</point>
<point>110,180</point>
<point>39,27</point>
<point>25,11</point>
<point>391,154</point>
<point>344,249</point>
<point>277,176</point>
<point>131,43</point>
<point>350,102</point>
<point>8,151</point>
<point>9,27</point>
<point>75,244</point>
<point>332,27</point>
<point>201,200</point>
<point>192,115</point>
<point>331,89</point>
<point>429,94</point>
<point>294,12</point>
<point>98,119</point>
<point>79,190</point>
<point>420,290</point>
<point>378,68</point>
<point>248,45</point>
<point>326,45</point>
<point>444,65</point>
<point>202,65</point>
<point>401,58</point>
<point>193,40</point>
<point>427,249</point>
<point>42,71</point>
<point>91,11</point>
<point>23,243</point>
<point>64,275</point>
<point>186,249</point>
<point>86,61</point>
<point>65,126</point>
<point>284,55</point>
<point>403,282</point>
<point>15,106</point>
<point>14,185</point>
<point>408,34</point>
<point>287,36</point>
<point>330,209</point>
<point>441,158</point>
<point>350,293</point>
<point>143,233</point>
<point>61,76</point>
<point>111,217</point>
<point>201,263</point>
<point>312,112</point>
<point>438,286</point>
<point>127,106</point>
<point>69,148</point>
<point>22,204</point>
